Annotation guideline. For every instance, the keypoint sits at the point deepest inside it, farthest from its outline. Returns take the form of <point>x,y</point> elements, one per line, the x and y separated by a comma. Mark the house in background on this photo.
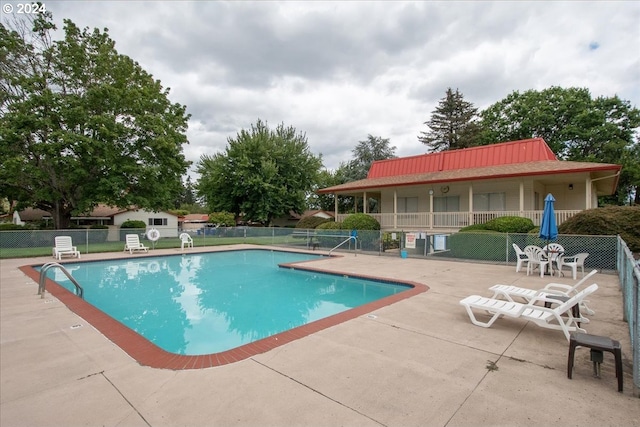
<point>165,222</point>
<point>192,222</point>
<point>452,189</point>
<point>292,219</point>
<point>31,215</point>
<point>113,217</point>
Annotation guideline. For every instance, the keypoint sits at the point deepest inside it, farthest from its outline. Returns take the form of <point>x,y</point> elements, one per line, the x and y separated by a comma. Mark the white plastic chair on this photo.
<point>573,262</point>
<point>185,240</point>
<point>553,251</point>
<point>537,257</point>
<point>521,257</point>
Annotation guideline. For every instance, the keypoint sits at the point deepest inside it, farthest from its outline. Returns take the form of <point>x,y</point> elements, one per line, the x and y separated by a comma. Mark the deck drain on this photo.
<point>48,301</point>
<point>76,326</point>
<point>372,316</point>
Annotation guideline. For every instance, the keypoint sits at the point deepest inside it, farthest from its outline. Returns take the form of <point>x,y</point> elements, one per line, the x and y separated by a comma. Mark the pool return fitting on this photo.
<point>43,278</point>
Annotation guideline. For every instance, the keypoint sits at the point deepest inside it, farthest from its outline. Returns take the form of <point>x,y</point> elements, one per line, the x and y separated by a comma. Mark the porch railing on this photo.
<point>454,220</point>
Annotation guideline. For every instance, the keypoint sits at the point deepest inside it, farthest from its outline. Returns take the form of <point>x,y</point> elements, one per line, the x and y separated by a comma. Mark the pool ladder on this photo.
<point>43,278</point>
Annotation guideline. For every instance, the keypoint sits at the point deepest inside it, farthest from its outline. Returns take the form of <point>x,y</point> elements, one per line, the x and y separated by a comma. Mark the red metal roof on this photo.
<point>514,152</point>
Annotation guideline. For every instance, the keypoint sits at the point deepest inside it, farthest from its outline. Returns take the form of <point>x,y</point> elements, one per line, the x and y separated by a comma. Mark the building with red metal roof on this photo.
<point>455,188</point>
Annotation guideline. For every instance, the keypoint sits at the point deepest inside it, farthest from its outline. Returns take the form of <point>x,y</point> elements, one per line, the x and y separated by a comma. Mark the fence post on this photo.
<point>506,244</point>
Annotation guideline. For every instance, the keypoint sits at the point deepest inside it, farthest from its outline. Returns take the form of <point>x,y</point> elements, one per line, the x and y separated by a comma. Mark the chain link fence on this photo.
<point>629,274</point>
<point>608,254</point>
<point>480,246</point>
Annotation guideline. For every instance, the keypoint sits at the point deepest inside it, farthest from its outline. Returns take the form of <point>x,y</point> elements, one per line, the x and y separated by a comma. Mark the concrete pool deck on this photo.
<point>419,361</point>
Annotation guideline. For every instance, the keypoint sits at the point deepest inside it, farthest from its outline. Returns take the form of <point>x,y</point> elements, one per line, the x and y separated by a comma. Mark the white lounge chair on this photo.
<point>509,292</point>
<point>64,247</point>
<point>521,257</point>
<point>133,244</point>
<point>573,262</point>
<point>185,240</point>
<point>550,318</point>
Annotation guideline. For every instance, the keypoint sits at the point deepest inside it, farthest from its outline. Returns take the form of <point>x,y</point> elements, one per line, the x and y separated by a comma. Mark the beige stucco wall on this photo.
<point>566,198</point>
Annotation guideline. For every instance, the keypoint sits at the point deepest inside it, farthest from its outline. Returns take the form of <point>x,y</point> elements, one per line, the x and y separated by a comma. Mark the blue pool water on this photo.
<point>211,302</point>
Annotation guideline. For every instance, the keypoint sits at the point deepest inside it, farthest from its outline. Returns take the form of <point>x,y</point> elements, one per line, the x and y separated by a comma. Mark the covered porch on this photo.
<point>452,205</point>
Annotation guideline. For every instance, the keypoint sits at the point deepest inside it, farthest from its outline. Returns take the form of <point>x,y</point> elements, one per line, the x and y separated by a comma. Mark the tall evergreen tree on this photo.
<point>453,124</point>
<point>364,154</point>
<point>189,196</point>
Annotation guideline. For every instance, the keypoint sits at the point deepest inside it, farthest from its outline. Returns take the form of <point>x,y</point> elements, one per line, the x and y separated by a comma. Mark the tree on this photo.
<point>364,154</point>
<point>188,194</point>
<point>453,124</point>
<point>262,173</point>
<point>82,124</point>
<point>575,126</point>
<point>325,178</point>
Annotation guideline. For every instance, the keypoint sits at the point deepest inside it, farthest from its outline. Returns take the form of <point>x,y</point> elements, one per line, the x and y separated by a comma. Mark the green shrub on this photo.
<point>360,221</point>
<point>132,223</point>
<point>503,224</point>
<point>474,227</point>
<point>98,227</point>
<point>327,229</point>
<point>311,222</point>
<point>612,220</point>
<point>331,225</point>
<point>10,226</point>
<point>510,224</point>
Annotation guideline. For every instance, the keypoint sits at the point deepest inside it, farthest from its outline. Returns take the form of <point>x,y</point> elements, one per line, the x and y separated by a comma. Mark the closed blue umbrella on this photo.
<point>548,227</point>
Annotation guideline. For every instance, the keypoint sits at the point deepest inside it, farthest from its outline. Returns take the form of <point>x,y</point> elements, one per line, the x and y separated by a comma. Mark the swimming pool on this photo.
<point>220,303</point>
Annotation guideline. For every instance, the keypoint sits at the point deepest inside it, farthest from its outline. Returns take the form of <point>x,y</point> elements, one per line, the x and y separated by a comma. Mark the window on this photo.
<point>483,202</point>
<point>446,204</point>
<point>157,221</point>
<point>407,204</point>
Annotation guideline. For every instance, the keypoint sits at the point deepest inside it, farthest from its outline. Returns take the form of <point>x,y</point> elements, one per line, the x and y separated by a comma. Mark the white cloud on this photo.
<point>339,71</point>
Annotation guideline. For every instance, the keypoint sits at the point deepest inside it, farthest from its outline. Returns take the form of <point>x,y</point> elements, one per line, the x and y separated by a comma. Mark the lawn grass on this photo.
<point>164,243</point>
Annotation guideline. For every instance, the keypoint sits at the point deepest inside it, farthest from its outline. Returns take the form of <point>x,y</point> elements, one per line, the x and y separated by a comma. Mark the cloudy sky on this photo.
<point>339,71</point>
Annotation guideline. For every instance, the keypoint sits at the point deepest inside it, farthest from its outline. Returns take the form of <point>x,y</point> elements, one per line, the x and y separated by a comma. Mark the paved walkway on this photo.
<point>418,362</point>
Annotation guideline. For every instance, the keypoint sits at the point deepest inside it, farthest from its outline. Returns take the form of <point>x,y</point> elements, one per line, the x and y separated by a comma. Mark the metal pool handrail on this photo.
<point>43,278</point>
<point>347,240</point>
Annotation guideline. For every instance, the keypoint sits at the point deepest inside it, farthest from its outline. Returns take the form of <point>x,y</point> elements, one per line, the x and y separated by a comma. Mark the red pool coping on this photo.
<point>148,354</point>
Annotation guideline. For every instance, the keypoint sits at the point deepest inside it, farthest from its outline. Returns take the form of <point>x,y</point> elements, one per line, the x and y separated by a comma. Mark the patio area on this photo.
<point>417,362</point>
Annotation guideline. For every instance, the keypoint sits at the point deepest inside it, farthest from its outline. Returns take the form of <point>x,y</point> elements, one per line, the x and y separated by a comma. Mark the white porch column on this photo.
<point>335,205</point>
<point>588,194</point>
<point>395,209</point>
<point>431,209</point>
<point>521,198</point>
<point>470,204</point>
<point>364,202</point>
